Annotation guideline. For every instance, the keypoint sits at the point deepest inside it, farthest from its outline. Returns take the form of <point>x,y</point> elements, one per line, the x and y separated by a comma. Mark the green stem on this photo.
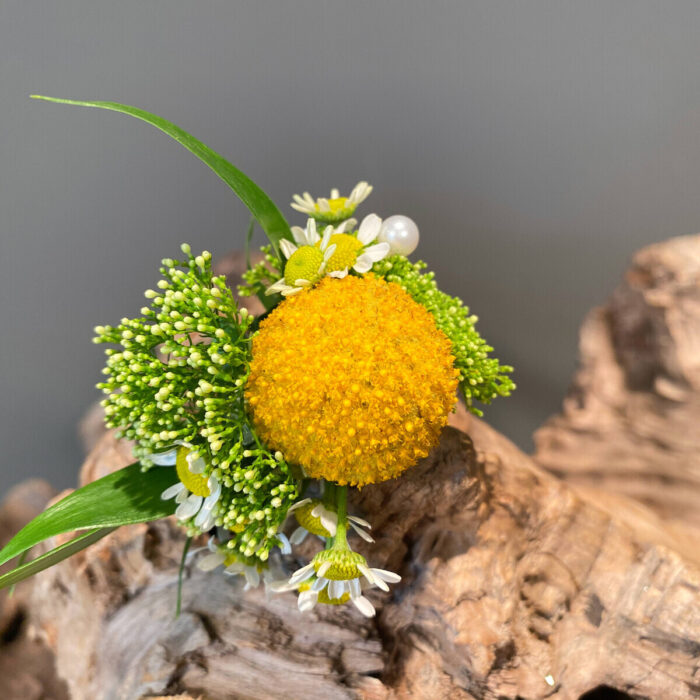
<point>178,604</point>
<point>341,541</point>
<point>329,494</point>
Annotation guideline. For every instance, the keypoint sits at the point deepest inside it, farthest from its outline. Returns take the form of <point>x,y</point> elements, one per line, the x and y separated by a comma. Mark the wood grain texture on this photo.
<point>631,421</point>
<point>514,586</point>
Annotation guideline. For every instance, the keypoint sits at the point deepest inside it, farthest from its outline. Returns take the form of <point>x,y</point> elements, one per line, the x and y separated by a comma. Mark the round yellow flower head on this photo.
<point>352,380</point>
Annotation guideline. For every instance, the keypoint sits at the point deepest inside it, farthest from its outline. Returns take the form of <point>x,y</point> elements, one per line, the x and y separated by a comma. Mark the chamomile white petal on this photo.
<point>377,252</point>
<point>298,504</point>
<point>354,588</point>
<point>363,264</point>
<point>288,248</point>
<point>188,507</point>
<point>327,233</point>
<point>173,491</point>
<point>365,536</point>
<point>385,575</point>
<point>369,229</point>
<point>328,518</point>
<point>211,561</point>
<point>302,574</point>
<point>336,589</point>
<point>279,287</point>
<point>285,545</point>
<point>307,600</point>
<point>348,225</point>
<point>359,521</point>
<point>323,569</point>
<point>291,291</point>
<point>360,192</point>
<point>164,459</point>
<point>298,536</point>
<point>329,252</point>
<point>364,606</point>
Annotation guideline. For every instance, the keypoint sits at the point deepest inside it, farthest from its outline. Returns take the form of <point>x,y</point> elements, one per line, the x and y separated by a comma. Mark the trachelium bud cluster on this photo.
<point>178,379</point>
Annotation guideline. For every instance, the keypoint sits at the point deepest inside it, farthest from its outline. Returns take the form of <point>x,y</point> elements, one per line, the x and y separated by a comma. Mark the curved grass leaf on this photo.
<point>259,204</point>
<point>124,497</point>
<point>54,556</point>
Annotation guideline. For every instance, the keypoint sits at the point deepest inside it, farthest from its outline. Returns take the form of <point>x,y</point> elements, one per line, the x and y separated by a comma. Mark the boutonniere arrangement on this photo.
<point>250,430</point>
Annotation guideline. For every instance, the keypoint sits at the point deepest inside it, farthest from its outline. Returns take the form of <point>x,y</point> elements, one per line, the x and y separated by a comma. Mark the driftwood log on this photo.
<point>631,421</point>
<point>516,584</point>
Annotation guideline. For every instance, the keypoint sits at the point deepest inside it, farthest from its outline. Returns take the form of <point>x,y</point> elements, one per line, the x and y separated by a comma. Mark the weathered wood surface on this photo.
<point>631,421</point>
<point>516,584</point>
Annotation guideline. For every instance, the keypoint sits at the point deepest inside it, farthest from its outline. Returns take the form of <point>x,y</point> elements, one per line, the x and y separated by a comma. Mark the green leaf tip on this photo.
<point>124,497</point>
<point>258,202</point>
<point>23,571</point>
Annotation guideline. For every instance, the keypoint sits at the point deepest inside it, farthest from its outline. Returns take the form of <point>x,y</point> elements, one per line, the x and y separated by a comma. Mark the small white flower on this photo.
<point>335,589</point>
<point>196,495</point>
<point>325,518</point>
<point>367,253</point>
<point>253,574</point>
<point>306,262</point>
<point>335,208</point>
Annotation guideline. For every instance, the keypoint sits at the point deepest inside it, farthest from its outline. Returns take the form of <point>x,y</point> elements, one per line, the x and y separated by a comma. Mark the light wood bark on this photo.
<point>631,421</point>
<point>514,586</point>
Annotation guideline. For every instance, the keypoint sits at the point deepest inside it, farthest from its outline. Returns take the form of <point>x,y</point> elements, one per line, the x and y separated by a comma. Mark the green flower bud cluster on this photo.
<point>179,377</point>
<point>254,501</point>
<point>482,378</point>
<point>261,275</point>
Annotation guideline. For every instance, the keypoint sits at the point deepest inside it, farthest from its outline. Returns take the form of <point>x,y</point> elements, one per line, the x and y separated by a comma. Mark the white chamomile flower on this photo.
<point>359,251</point>
<point>313,517</point>
<point>196,494</point>
<point>335,577</point>
<point>334,209</point>
<point>306,262</point>
<point>234,566</point>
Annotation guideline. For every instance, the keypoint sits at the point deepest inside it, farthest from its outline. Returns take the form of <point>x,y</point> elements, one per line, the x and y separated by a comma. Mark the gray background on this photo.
<point>536,144</point>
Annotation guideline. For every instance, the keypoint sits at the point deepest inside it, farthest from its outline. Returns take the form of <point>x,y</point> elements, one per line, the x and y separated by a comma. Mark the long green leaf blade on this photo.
<point>259,204</point>
<point>124,497</point>
<point>54,556</point>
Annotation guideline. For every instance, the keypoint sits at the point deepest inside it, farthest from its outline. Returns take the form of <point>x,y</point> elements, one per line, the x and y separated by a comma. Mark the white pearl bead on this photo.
<point>401,233</point>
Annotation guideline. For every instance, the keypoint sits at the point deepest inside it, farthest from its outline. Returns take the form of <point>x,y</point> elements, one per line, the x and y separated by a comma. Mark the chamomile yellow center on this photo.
<point>303,265</point>
<point>326,600</point>
<point>310,522</point>
<point>233,558</point>
<point>338,209</point>
<point>347,248</point>
<point>195,483</point>
<point>351,380</point>
<point>344,564</point>
<point>337,204</point>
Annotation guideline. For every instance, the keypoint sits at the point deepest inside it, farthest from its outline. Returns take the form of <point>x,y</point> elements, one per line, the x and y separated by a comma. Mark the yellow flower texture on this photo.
<point>352,380</point>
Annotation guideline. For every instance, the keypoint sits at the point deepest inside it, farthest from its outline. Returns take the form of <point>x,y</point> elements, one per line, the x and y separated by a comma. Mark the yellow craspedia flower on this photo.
<point>352,380</point>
